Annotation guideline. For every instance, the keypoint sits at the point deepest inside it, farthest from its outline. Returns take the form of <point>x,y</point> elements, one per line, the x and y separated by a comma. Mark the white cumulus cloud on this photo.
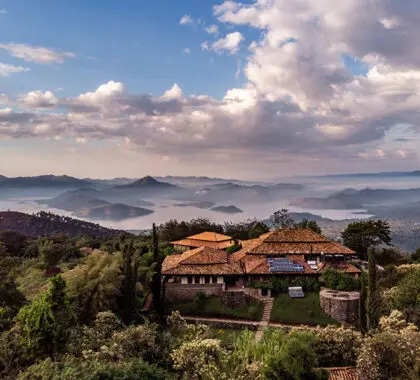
<point>230,43</point>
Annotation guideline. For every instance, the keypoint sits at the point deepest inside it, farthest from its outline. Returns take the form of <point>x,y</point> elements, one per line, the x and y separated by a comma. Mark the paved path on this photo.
<point>265,320</point>
<point>244,322</point>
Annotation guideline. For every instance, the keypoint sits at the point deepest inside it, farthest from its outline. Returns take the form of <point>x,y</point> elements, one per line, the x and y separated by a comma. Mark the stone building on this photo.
<point>287,253</point>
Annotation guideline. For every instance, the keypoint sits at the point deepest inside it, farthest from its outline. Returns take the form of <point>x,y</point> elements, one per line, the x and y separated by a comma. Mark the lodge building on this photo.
<point>205,265</point>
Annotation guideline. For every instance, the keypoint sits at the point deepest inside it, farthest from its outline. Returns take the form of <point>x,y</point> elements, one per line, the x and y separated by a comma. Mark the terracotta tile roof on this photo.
<point>342,267</point>
<point>296,258</point>
<point>294,235</point>
<point>204,255</point>
<point>201,261</point>
<point>281,242</point>
<point>343,373</point>
<point>246,246</point>
<point>300,248</point>
<point>203,243</point>
<point>210,236</point>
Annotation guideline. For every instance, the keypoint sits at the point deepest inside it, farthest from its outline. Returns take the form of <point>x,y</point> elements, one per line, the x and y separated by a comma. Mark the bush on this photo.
<point>340,281</point>
<point>73,368</point>
<point>234,248</point>
<point>200,299</point>
<point>308,284</point>
<point>336,346</point>
<point>331,278</point>
<point>348,283</point>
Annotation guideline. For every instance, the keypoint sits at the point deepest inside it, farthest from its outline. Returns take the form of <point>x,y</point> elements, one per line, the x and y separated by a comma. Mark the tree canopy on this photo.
<point>361,235</point>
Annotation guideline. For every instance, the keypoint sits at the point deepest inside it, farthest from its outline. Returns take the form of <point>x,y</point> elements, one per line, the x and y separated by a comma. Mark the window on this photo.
<point>190,280</point>
<point>207,280</point>
<point>214,279</point>
<point>196,279</point>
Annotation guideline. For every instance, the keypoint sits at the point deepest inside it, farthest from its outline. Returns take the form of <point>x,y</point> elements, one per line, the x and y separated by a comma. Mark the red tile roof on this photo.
<point>210,236</point>
<point>294,242</point>
<point>342,267</point>
<point>343,373</point>
<point>293,235</point>
<point>203,260</point>
<point>203,243</point>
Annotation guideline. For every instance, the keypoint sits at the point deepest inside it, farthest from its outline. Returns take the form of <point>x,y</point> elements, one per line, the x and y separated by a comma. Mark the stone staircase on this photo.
<point>265,320</point>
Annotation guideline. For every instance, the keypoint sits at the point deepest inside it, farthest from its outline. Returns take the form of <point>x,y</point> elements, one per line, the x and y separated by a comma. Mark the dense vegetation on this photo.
<point>73,307</point>
<point>48,224</point>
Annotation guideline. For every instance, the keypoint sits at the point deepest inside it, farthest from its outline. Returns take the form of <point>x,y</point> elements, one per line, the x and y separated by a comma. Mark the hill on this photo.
<point>354,199</point>
<point>371,175</point>
<point>43,181</point>
<point>89,203</point>
<point>47,224</point>
<point>147,182</point>
<point>227,209</point>
<point>116,211</point>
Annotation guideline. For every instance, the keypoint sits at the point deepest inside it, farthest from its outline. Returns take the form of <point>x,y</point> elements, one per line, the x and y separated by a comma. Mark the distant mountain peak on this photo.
<point>148,180</point>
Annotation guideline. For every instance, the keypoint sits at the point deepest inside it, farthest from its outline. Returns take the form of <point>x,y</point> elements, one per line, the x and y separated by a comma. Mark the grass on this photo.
<point>213,307</point>
<point>226,335</point>
<point>305,310</point>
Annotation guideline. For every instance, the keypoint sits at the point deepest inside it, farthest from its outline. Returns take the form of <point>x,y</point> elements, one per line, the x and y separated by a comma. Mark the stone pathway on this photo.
<point>265,320</point>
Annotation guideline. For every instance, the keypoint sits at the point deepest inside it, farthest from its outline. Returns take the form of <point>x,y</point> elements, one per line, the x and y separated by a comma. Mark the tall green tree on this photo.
<point>128,286</point>
<point>310,224</point>
<point>407,296</point>
<point>359,236</point>
<point>45,322</point>
<point>157,278</point>
<point>96,285</point>
<point>282,219</point>
<point>50,253</point>
<point>372,294</point>
<point>362,304</point>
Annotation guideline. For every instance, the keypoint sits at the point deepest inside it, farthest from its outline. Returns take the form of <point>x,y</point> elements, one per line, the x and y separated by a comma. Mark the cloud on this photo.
<point>3,11</point>
<point>7,69</point>
<point>185,20</point>
<point>173,93</point>
<point>300,105</point>
<point>187,51</point>
<point>39,99</point>
<point>205,46</point>
<point>212,29</point>
<point>36,54</point>
<point>230,43</point>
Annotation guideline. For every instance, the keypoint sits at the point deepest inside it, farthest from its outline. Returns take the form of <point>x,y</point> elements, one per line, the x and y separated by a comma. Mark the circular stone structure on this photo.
<point>342,306</point>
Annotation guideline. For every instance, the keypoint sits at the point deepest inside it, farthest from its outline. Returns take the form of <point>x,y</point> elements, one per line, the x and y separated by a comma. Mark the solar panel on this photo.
<point>283,264</point>
<point>296,292</point>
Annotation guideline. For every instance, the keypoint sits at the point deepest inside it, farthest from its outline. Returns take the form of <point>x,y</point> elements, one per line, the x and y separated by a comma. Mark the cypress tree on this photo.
<point>362,304</point>
<point>157,278</point>
<point>128,290</point>
<point>372,295</point>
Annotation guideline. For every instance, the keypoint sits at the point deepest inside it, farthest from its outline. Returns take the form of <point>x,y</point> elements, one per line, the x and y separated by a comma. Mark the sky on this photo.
<point>253,90</point>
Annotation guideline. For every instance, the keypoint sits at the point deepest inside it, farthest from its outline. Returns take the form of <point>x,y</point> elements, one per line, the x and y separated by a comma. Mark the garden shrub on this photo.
<point>200,299</point>
<point>337,280</point>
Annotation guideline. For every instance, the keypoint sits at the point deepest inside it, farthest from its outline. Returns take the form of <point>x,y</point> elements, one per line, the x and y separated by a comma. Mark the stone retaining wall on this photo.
<point>186,292</point>
<point>342,306</point>
<point>234,299</point>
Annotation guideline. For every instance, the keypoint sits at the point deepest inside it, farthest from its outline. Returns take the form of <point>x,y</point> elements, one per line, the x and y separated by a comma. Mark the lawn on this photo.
<point>213,307</point>
<point>305,310</point>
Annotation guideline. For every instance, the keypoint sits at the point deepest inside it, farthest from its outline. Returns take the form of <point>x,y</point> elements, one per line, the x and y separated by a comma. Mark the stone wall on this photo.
<point>342,306</point>
<point>234,298</point>
<point>175,292</point>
